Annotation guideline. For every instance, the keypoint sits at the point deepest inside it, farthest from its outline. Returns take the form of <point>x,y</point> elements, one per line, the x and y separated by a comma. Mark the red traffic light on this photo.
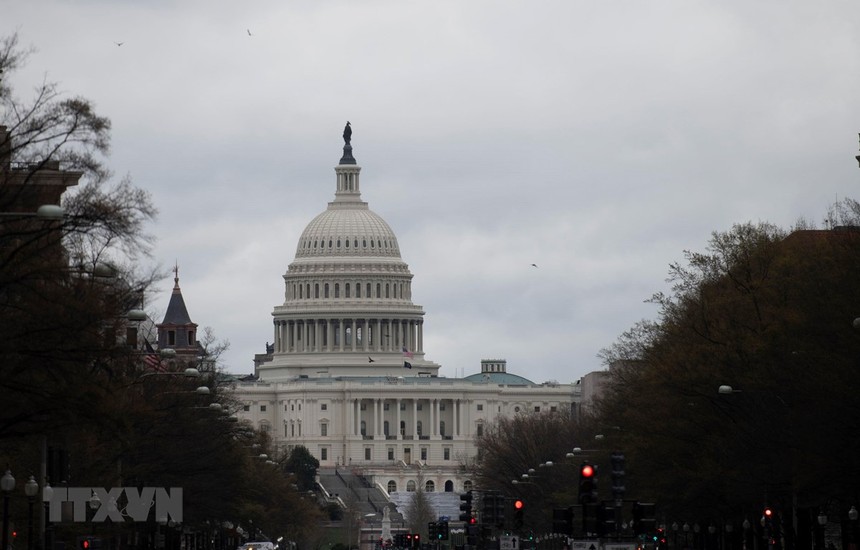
<point>587,470</point>
<point>85,544</point>
<point>518,504</point>
<point>768,512</point>
<point>473,521</point>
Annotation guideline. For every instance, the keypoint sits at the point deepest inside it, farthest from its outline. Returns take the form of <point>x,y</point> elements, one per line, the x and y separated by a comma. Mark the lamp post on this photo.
<point>853,514</point>
<point>31,489</point>
<point>47,495</point>
<point>7,485</point>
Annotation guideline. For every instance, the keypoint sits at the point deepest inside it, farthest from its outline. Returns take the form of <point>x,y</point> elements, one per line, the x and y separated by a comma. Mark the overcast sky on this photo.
<point>597,139</point>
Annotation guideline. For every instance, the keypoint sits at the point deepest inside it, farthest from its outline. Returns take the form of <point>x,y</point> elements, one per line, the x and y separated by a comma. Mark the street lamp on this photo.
<point>47,495</point>
<point>7,485</point>
<point>31,489</point>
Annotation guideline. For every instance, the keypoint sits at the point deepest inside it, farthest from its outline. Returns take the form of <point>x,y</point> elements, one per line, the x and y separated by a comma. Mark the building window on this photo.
<point>402,427</point>
<point>423,453</point>
<point>392,487</point>
<point>358,290</point>
<point>293,407</point>
<point>419,407</point>
<point>446,453</point>
<point>391,453</point>
<point>429,487</point>
<point>385,428</point>
<point>442,406</point>
<point>385,406</point>
<point>292,430</point>
<point>337,290</point>
<point>516,409</point>
<point>479,430</point>
<point>171,337</point>
<point>364,406</point>
<point>324,453</point>
<point>346,290</point>
<point>419,428</point>
<point>246,408</point>
<point>410,486</point>
<point>262,408</point>
<point>324,429</point>
<point>316,290</point>
<point>285,407</point>
<point>325,291</point>
<point>480,407</point>
<point>553,409</point>
<point>467,485</point>
<point>190,337</point>
<point>403,406</point>
<point>324,407</point>
<point>363,427</point>
<point>264,427</point>
<point>367,453</point>
<point>537,409</point>
<point>442,428</point>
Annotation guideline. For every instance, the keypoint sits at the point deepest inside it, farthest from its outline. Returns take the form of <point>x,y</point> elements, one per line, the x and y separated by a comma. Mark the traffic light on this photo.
<point>88,543</point>
<point>466,507</point>
<point>433,530</point>
<point>644,518</point>
<point>587,483</point>
<point>562,521</point>
<point>416,540</point>
<point>519,510</point>
<point>443,530</point>
<point>489,513</point>
<point>660,540</point>
<point>605,520</point>
<point>618,488</point>
<point>407,543</point>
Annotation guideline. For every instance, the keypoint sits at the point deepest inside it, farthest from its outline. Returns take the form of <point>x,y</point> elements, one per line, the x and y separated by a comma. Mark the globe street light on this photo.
<point>7,485</point>
<point>31,489</point>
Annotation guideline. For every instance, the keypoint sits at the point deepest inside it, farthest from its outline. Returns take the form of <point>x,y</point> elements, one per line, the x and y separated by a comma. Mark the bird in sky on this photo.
<point>249,32</point>
<point>370,360</point>
<point>119,43</point>
<point>534,265</point>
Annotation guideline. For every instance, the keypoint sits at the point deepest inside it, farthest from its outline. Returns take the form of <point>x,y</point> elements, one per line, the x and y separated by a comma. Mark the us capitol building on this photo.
<point>347,375</point>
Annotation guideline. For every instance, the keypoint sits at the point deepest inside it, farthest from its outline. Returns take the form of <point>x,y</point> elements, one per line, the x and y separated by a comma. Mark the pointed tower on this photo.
<point>177,331</point>
<point>348,307</point>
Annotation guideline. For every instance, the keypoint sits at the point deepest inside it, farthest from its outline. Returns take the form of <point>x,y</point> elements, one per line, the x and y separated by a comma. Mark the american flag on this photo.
<point>407,353</point>
<point>151,358</point>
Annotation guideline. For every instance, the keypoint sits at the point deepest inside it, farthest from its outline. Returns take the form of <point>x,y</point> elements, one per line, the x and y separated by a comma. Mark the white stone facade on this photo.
<point>348,377</point>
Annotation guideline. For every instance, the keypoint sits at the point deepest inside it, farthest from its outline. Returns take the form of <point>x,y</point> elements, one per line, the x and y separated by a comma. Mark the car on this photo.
<point>257,545</point>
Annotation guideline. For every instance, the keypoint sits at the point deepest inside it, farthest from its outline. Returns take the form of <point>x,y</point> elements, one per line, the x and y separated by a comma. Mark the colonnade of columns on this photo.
<point>348,335</point>
<point>430,418</point>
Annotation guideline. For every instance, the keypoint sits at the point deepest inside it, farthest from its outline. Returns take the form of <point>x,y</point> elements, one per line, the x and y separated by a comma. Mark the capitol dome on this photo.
<point>347,229</point>
<point>347,307</point>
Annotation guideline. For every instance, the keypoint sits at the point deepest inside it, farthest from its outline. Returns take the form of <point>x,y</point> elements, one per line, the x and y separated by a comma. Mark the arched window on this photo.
<point>467,485</point>
<point>358,290</point>
<point>337,290</point>
<point>442,428</point>
<point>363,427</point>
<point>429,487</point>
<point>387,291</point>
<point>316,290</point>
<point>378,290</point>
<point>410,486</point>
<point>392,486</point>
<point>308,290</point>
<point>368,290</point>
<point>325,291</point>
<point>402,427</point>
<point>385,428</point>
<point>419,428</point>
<point>449,486</point>
<point>346,290</point>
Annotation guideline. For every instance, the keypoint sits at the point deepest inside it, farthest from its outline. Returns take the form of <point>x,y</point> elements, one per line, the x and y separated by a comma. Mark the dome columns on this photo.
<point>349,335</point>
